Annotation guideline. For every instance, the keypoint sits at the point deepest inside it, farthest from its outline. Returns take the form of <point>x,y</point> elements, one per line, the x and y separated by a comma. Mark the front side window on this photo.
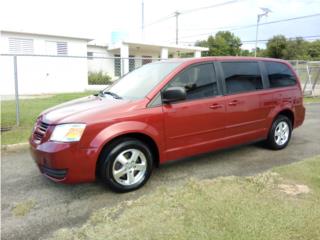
<point>280,75</point>
<point>241,76</point>
<point>199,81</point>
<point>138,83</point>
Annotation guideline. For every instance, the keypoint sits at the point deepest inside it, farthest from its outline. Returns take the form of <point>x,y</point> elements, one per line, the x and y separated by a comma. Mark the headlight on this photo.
<point>67,132</point>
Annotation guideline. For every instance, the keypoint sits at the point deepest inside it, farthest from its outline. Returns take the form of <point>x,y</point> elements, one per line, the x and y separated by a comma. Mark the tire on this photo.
<point>126,165</point>
<point>280,133</point>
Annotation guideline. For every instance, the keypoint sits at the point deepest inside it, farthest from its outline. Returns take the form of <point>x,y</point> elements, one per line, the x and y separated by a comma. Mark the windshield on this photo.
<point>138,83</point>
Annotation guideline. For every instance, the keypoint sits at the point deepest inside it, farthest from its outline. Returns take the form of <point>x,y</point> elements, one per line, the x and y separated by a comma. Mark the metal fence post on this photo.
<point>16,89</point>
<point>122,67</point>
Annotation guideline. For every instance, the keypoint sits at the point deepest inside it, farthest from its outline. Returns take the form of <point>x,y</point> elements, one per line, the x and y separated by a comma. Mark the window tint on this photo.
<point>280,75</point>
<point>242,76</point>
<point>199,81</point>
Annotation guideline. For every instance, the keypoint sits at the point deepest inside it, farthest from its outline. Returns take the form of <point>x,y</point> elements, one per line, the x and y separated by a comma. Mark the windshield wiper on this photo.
<point>102,93</point>
<point>114,95</point>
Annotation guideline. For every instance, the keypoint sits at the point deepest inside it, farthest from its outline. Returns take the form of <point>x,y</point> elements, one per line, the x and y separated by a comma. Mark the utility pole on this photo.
<point>259,16</point>
<point>176,14</point>
<point>142,20</point>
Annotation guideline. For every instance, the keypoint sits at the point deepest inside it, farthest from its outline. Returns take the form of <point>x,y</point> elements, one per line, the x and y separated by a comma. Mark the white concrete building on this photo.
<point>54,63</point>
<point>37,72</point>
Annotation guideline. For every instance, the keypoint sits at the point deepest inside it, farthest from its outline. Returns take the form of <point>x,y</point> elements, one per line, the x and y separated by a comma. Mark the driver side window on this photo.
<point>199,81</point>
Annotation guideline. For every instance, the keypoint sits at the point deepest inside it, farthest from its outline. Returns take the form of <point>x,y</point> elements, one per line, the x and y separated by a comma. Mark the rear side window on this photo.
<point>280,75</point>
<point>241,76</point>
<point>199,81</point>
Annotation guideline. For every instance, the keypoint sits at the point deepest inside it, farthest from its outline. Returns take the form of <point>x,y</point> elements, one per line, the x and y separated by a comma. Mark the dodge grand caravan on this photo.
<point>167,110</point>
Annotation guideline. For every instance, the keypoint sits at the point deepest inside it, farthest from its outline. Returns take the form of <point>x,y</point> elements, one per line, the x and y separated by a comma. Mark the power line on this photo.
<point>290,38</point>
<point>190,11</point>
<point>160,20</point>
<point>207,7</point>
<point>252,25</point>
<point>314,37</point>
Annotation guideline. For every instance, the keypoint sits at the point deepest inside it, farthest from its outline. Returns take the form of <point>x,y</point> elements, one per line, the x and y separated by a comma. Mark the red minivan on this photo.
<point>164,111</point>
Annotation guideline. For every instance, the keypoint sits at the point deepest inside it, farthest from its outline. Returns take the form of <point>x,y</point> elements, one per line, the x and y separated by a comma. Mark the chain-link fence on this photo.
<point>309,73</point>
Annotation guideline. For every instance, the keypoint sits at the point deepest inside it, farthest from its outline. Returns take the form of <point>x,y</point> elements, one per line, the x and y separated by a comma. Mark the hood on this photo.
<point>87,109</point>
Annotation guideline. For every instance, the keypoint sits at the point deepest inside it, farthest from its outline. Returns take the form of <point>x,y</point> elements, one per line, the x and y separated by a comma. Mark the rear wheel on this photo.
<point>126,165</point>
<point>280,133</point>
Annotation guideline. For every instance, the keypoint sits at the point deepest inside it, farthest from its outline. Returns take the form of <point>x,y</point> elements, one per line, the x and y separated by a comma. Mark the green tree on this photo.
<point>224,43</point>
<point>296,49</point>
<point>260,52</point>
<point>277,47</point>
<point>245,52</point>
<point>313,50</point>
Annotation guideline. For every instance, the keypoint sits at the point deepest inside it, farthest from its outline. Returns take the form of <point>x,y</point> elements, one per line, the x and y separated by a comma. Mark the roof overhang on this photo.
<point>157,47</point>
<point>45,35</point>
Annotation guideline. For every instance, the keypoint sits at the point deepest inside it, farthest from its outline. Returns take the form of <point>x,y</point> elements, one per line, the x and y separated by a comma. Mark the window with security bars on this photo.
<point>62,48</point>
<point>21,46</point>
<point>132,63</point>
<point>90,55</point>
<point>56,48</point>
<point>117,65</point>
<point>146,60</point>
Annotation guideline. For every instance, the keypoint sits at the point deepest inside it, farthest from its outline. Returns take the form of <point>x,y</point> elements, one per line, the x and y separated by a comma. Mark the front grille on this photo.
<point>54,173</point>
<point>40,131</point>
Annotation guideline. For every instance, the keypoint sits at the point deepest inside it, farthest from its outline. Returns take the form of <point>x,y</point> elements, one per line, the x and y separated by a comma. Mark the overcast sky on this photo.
<point>98,18</point>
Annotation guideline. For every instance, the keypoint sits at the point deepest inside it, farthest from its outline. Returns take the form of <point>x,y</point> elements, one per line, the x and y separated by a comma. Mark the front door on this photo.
<point>193,125</point>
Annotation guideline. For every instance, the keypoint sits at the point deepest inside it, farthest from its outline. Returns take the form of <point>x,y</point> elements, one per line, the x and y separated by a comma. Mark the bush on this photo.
<point>99,78</point>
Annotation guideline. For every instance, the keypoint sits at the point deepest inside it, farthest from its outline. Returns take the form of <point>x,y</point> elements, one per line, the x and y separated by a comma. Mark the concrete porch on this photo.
<point>144,51</point>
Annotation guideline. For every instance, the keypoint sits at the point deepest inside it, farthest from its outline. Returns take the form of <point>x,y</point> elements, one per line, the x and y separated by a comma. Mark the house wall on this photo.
<point>99,62</point>
<point>39,74</point>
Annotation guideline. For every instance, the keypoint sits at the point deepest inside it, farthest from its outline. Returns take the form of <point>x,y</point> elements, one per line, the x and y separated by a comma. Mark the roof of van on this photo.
<point>223,58</point>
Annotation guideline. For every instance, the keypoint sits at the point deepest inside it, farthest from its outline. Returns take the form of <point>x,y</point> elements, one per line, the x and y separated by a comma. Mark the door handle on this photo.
<point>287,100</point>
<point>215,106</point>
<point>233,103</point>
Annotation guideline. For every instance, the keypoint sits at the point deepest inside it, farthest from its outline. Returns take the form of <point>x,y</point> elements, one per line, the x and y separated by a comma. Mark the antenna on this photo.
<point>176,14</point>
<point>142,19</point>
<point>265,13</point>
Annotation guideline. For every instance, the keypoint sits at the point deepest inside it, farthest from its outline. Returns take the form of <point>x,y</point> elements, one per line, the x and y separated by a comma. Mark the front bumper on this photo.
<point>65,162</point>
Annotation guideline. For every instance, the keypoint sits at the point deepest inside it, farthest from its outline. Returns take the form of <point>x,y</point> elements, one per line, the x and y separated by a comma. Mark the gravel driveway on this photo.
<point>47,206</point>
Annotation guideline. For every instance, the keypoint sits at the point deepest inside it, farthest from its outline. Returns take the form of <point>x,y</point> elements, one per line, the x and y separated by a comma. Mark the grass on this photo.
<point>29,110</point>
<point>311,100</point>
<point>225,208</point>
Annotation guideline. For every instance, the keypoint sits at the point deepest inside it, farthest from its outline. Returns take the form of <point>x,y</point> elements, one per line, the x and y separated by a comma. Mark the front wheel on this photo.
<point>126,165</point>
<point>280,133</point>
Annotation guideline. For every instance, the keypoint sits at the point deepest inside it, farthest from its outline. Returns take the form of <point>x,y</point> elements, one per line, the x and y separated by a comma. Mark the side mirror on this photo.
<point>174,94</point>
